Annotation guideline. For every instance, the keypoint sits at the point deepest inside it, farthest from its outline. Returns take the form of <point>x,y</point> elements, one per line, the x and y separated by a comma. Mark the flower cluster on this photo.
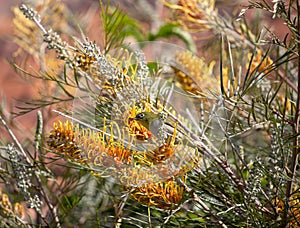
<point>165,195</point>
<point>194,70</point>
<point>192,14</point>
<point>108,140</point>
<point>108,158</point>
<point>85,146</point>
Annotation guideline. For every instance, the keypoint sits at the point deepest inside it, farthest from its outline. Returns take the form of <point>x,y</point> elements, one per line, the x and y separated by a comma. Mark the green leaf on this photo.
<point>117,26</point>
<point>168,30</point>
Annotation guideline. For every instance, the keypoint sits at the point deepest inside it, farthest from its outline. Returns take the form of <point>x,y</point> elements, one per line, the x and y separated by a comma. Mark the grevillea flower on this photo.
<point>19,210</point>
<point>165,195</point>
<point>194,74</point>
<point>295,210</point>
<point>107,140</point>
<point>85,146</point>
<point>106,156</point>
<point>5,203</point>
<point>62,139</point>
<point>192,14</point>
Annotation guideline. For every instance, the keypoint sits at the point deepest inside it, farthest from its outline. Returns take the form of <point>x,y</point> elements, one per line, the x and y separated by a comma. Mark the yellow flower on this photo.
<point>192,14</point>
<point>62,139</point>
<point>295,210</point>
<point>162,153</point>
<point>6,205</point>
<point>85,146</point>
<point>194,72</point>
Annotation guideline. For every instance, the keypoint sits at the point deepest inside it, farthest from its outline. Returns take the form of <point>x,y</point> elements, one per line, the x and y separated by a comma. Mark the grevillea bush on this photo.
<point>183,114</point>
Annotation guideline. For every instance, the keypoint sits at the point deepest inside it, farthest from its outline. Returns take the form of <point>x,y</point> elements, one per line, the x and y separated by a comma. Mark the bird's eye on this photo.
<point>140,116</point>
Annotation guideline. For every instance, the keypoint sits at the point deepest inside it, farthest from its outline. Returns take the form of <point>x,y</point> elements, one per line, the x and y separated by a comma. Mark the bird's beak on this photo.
<point>131,119</point>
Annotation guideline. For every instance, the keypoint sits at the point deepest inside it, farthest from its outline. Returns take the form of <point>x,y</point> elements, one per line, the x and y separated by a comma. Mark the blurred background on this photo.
<point>150,14</point>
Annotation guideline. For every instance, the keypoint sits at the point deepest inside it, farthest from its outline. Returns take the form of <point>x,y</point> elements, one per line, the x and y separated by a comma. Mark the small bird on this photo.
<point>154,122</point>
<point>161,127</point>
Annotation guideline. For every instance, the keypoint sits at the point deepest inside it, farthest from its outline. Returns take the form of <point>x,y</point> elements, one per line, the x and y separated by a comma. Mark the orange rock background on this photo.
<point>14,88</point>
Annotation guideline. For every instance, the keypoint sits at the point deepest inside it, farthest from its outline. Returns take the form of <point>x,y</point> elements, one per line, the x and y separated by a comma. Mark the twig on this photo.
<point>119,210</point>
<point>39,132</point>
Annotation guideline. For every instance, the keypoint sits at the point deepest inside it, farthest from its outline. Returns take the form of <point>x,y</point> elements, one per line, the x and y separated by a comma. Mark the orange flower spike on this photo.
<point>162,153</point>
<point>192,70</point>
<point>62,139</point>
<point>164,195</point>
<point>119,153</point>
<point>293,208</point>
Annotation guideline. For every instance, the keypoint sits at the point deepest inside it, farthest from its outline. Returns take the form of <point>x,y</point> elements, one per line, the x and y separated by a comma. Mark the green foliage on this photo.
<point>117,26</point>
<point>168,30</point>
